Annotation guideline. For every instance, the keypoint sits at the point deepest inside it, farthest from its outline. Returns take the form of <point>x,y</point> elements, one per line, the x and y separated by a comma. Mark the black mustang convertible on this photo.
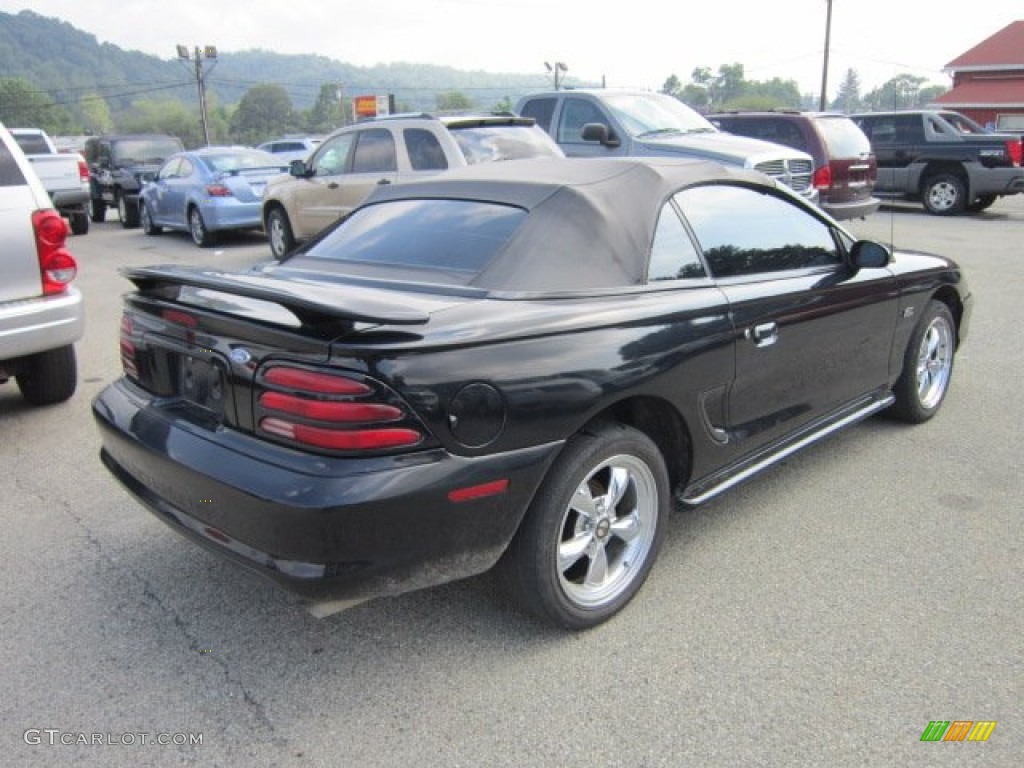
<point>519,364</point>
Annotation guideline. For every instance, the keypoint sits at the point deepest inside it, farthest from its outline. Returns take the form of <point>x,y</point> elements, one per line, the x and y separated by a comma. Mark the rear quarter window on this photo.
<point>10,171</point>
<point>843,138</point>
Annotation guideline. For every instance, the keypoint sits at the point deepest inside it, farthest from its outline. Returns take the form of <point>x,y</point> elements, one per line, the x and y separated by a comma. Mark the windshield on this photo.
<point>645,114</point>
<point>144,151</point>
<point>241,159</point>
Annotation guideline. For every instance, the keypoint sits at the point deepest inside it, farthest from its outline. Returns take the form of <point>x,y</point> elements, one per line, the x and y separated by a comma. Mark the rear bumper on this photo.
<point>856,209</point>
<point>997,181</point>
<point>327,529</point>
<point>40,324</point>
<point>233,214</point>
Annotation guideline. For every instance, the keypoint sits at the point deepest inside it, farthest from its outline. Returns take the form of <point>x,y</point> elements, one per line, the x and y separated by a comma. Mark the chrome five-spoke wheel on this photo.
<point>593,530</point>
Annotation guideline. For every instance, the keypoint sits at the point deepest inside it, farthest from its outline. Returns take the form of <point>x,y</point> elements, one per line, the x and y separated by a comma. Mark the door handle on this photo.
<point>383,182</point>
<point>333,185</point>
<point>763,335</point>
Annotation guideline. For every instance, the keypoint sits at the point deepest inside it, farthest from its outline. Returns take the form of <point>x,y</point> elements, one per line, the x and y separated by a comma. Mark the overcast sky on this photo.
<point>636,44</point>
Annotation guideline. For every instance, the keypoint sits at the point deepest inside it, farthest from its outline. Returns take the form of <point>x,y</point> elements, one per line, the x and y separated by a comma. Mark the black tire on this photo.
<point>927,366</point>
<point>944,195</point>
<point>592,532</point>
<point>49,377</point>
<point>128,211</point>
<point>97,210</point>
<point>146,220</point>
<point>79,223</point>
<point>279,233</point>
<point>201,236</point>
<point>981,203</point>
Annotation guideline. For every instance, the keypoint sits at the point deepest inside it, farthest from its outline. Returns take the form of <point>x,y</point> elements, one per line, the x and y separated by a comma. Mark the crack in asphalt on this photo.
<point>153,598</point>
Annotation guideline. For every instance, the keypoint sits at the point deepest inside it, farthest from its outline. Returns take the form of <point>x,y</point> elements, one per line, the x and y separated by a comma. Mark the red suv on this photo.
<point>844,165</point>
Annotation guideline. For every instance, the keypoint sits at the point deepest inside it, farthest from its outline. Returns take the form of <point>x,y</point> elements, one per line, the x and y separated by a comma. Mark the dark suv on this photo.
<point>119,165</point>
<point>845,169</point>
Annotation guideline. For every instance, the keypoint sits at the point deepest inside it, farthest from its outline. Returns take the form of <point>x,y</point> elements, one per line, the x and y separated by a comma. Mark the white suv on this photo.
<point>41,313</point>
<point>353,161</point>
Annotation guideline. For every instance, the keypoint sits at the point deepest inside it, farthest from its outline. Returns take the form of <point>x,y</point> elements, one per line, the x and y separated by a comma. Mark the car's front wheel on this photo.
<point>146,219</point>
<point>279,233</point>
<point>593,531</point>
<point>927,366</point>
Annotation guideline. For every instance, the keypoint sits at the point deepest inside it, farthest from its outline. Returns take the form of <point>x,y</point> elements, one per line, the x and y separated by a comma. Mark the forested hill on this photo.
<point>69,64</point>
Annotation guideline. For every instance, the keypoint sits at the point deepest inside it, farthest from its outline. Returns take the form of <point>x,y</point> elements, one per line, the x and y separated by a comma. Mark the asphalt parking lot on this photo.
<point>822,614</point>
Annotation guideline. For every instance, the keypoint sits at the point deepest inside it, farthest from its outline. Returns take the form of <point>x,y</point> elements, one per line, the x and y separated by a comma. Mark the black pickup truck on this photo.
<point>119,165</point>
<point>942,158</point>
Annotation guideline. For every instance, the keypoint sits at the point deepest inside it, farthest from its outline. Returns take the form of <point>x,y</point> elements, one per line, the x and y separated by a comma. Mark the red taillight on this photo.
<point>328,410</point>
<point>218,190</point>
<point>57,267</point>
<point>312,381</point>
<point>341,440</point>
<point>128,347</point>
<point>481,491</point>
<point>823,177</point>
<point>332,411</point>
<point>1015,149</point>
<point>83,171</point>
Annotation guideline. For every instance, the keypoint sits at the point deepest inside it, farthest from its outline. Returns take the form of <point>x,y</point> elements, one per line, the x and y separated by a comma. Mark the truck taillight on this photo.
<point>331,411</point>
<point>57,267</point>
<point>823,177</point>
<point>83,171</point>
<point>1015,149</point>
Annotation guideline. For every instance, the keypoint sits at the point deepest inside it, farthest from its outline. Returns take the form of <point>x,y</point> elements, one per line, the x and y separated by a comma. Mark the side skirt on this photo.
<point>697,494</point>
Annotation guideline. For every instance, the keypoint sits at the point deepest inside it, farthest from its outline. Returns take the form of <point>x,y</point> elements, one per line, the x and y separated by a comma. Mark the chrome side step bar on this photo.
<point>859,415</point>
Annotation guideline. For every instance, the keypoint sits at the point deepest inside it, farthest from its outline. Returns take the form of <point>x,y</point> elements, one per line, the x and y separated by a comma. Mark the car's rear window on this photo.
<point>32,144</point>
<point>842,137</point>
<point>444,241</point>
<point>484,144</point>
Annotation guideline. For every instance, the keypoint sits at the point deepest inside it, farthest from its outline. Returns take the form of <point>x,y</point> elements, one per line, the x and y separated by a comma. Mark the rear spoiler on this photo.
<point>314,304</point>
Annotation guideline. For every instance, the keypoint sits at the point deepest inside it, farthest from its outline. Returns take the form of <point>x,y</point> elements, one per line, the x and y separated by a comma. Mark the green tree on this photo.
<point>453,101</point>
<point>902,92</point>
<point>94,114</point>
<point>21,105</point>
<point>325,114</point>
<point>848,99</point>
<point>264,112</point>
<point>167,116</point>
<point>505,104</point>
<point>672,86</point>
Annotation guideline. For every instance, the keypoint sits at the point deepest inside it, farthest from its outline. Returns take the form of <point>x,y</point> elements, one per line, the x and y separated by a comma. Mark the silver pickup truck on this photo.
<point>599,122</point>
<point>65,176</point>
<point>41,313</point>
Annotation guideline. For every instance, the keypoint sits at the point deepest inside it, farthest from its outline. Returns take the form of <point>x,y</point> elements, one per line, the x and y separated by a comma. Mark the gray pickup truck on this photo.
<point>942,158</point>
<point>598,122</point>
<point>65,176</point>
<point>41,313</point>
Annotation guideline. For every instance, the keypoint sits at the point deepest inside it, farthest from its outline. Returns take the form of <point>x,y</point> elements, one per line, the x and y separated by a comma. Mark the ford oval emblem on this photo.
<point>240,355</point>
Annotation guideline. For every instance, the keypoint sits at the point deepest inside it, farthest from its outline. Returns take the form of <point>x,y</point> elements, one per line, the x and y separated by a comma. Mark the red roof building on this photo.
<point>988,80</point>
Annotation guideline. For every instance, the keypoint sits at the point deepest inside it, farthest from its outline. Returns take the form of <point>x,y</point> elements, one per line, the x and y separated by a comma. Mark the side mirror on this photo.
<point>600,133</point>
<point>298,169</point>
<point>867,254</point>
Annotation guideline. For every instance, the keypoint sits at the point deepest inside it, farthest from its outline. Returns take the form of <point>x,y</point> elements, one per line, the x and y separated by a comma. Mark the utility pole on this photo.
<point>555,68</point>
<point>824,67</point>
<point>208,54</point>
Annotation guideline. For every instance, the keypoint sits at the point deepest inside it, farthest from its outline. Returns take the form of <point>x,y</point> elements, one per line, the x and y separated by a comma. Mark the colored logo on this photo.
<point>958,730</point>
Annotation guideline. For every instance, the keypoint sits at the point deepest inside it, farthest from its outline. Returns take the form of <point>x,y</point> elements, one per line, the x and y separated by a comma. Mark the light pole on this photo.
<point>208,54</point>
<point>824,66</point>
<point>555,68</point>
